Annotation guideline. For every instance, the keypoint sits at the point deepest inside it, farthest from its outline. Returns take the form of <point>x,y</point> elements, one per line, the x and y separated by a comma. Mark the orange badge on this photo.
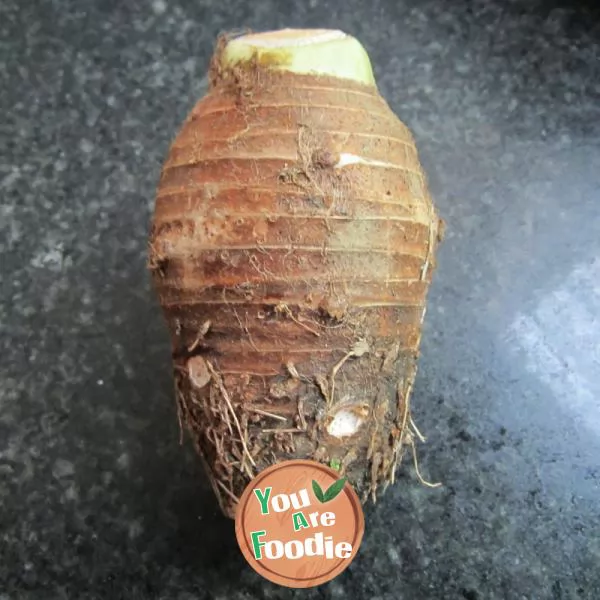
<point>299,524</point>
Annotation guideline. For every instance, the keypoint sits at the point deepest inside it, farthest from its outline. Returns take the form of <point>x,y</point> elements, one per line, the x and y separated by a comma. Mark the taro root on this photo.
<point>292,248</point>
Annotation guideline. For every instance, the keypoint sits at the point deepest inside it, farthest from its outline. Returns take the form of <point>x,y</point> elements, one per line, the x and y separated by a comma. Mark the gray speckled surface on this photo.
<point>97,499</point>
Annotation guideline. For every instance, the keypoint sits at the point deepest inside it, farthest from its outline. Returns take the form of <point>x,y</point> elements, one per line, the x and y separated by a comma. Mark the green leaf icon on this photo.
<point>318,491</point>
<point>332,491</point>
<point>335,489</point>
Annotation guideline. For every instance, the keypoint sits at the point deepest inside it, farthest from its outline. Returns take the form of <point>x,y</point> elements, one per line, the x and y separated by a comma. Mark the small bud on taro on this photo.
<point>344,423</point>
<point>292,249</point>
<point>198,372</point>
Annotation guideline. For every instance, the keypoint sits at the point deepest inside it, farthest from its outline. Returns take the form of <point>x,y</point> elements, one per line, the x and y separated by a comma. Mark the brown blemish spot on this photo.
<point>324,159</point>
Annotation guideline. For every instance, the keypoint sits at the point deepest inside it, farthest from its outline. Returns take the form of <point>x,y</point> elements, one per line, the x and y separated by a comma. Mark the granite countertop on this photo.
<point>98,499</point>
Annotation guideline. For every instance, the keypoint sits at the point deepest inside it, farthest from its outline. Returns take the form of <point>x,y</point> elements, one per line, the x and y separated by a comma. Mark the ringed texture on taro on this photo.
<point>292,248</point>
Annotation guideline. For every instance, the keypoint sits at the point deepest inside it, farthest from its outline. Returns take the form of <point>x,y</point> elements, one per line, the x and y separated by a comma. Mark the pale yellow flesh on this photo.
<point>303,51</point>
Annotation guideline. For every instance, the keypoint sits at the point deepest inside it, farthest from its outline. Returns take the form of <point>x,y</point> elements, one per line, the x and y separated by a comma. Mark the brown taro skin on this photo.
<point>292,247</point>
